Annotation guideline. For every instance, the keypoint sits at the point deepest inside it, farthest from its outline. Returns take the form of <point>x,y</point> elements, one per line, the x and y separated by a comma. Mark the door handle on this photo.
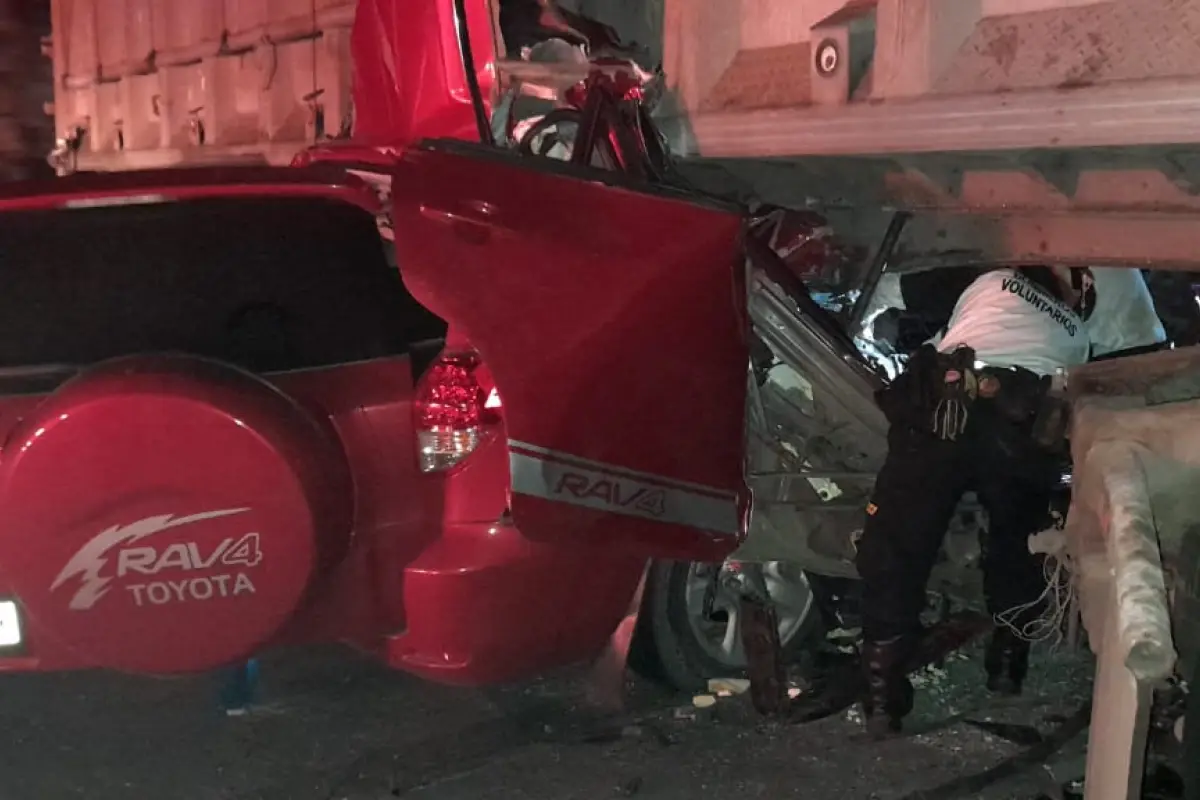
<point>473,221</point>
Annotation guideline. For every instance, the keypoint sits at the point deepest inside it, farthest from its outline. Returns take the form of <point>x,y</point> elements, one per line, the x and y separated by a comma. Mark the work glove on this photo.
<point>957,387</point>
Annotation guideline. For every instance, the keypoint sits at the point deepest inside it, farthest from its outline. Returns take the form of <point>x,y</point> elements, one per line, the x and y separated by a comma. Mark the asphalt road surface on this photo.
<point>333,725</point>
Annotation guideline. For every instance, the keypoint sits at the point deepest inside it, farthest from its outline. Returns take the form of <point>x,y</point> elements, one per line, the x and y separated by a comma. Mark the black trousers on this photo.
<point>915,496</point>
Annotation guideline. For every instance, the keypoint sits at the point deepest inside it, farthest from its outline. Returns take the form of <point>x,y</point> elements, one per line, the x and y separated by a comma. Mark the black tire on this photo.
<point>666,648</point>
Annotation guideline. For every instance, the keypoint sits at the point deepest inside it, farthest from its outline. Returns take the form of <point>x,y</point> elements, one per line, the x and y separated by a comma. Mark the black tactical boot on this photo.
<point>1006,661</point>
<point>889,696</point>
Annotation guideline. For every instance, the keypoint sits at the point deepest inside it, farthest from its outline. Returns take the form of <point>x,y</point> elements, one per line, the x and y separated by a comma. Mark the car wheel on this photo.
<point>689,640</point>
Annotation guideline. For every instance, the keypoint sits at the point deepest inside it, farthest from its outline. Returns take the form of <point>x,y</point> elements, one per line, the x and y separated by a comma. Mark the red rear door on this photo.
<point>613,323</point>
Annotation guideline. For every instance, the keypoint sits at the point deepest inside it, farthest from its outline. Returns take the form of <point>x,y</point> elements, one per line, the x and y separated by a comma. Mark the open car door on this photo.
<point>613,322</point>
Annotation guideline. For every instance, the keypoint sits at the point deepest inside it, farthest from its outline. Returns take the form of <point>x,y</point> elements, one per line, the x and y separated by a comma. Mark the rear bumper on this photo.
<point>481,604</point>
<point>485,605</point>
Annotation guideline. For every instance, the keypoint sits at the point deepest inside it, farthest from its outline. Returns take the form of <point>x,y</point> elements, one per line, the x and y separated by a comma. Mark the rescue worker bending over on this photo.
<point>962,418</point>
<point>1124,322</point>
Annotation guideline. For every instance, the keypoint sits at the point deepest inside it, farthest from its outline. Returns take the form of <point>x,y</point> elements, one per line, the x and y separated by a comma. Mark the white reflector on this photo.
<point>10,624</point>
<point>116,200</point>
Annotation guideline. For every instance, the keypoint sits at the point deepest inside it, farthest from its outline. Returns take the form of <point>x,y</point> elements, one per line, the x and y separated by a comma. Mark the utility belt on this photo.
<point>1030,402</point>
<point>939,392</point>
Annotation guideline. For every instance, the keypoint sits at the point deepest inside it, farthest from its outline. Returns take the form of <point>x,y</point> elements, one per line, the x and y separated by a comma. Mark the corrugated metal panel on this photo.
<point>335,13</point>
<point>333,81</point>
<point>190,30</point>
<point>139,35</point>
<point>125,36</point>
<point>159,82</point>
<point>245,21</point>
<point>76,44</point>
<point>184,104</point>
<point>249,21</point>
<point>74,106</point>
<point>291,19</point>
<point>110,45</point>
<point>235,100</point>
<point>141,95</point>
<point>288,86</point>
<point>110,116</point>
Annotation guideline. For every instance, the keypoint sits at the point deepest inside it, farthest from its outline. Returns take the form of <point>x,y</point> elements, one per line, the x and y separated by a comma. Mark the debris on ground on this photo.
<point>728,687</point>
<point>844,640</point>
<point>379,735</point>
<point>685,713</point>
<point>630,787</point>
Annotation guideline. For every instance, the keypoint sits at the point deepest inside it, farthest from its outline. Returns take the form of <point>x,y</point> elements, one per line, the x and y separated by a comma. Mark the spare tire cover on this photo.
<point>164,514</point>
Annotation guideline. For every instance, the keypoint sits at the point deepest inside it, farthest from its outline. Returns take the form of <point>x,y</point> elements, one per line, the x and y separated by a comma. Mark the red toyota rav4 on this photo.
<point>229,422</point>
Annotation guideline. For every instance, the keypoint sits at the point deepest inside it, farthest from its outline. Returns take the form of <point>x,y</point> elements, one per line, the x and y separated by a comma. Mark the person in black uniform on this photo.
<point>966,416</point>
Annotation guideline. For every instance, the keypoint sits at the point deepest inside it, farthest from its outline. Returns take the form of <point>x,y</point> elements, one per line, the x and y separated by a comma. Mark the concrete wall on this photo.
<point>995,8</point>
<point>771,23</point>
<point>930,46</point>
<point>1077,45</point>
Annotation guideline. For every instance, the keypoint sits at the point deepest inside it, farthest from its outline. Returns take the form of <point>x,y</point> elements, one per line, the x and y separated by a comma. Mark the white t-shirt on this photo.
<point>1124,315</point>
<point>1009,321</point>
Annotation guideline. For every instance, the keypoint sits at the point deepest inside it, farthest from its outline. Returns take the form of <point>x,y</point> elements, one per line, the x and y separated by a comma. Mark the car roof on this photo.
<point>112,188</point>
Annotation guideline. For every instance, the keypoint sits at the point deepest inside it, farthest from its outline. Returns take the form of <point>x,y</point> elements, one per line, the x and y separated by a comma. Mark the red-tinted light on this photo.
<point>455,411</point>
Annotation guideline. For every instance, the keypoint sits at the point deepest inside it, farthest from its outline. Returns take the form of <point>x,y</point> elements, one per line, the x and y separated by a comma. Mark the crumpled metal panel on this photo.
<point>816,440</point>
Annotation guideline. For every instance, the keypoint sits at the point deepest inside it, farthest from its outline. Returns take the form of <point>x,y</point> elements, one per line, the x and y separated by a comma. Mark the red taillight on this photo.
<point>456,409</point>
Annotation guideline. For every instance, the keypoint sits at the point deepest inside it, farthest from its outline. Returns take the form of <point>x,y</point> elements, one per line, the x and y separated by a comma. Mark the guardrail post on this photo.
<point>1118,734</point>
